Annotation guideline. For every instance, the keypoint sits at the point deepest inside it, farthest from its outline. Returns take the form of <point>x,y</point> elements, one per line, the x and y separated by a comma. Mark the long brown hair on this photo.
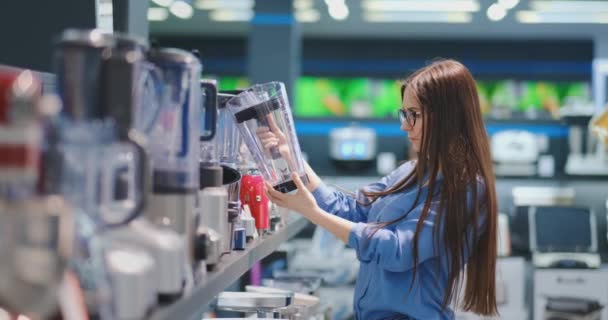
<point>455,145</point>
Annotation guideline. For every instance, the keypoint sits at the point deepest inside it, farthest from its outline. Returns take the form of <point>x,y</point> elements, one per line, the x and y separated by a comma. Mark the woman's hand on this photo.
<point>302,201</point>
<point>273,137</point>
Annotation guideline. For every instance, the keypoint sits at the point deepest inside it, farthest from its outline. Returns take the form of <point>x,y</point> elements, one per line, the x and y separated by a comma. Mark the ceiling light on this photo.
<point>561,17</point>
<point>496,12</point>
<point>181,9</point>
<point>231,15</point>
<point>223,4</point>
<point>334,2</point>
<point>417,5</point>
<point>570,6</point>
<point>508,4</point>
<point>338,12</point>
<point>418,17</point>
<point>303,4</point>
<point>310,15</point>
<point>157,14</point>
<point>163,3</point>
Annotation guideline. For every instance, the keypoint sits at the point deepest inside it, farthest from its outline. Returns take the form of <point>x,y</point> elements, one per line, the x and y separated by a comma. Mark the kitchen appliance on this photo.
<point>572,294</point>
<point>304,306</point>
<point>36,237</point>
<point>36,231</point>
<point>254,196</point>
<point>572,308</point>
<point>264,304</point>
<point>587,154</point>
<point>167,249</point>
<point>263,111</point>
<point>104,156</point>
<point>102,81</point>
<point>523,198</point>
<point>174,142</point>
<point>214,218</point>
<point>516,152</point>
<point>20,135</point>
<point>352,147</point>
<point>213,231</point>
<point>563,237</point>
<point>130,270</point>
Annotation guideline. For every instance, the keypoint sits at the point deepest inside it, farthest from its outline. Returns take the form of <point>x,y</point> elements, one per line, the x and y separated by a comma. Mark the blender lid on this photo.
<point>94,38</point>
<point>172,55</point>
<point>258,110</point>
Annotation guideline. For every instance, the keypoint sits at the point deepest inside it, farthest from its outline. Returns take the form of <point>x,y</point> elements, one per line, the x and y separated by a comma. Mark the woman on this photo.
<point>420,228</point>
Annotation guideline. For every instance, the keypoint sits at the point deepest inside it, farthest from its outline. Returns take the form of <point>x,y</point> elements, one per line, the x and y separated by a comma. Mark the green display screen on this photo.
<point>347,97</point>
<point>371,98</point>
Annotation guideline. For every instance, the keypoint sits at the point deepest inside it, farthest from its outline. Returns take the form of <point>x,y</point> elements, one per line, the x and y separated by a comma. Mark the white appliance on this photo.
<point>571,294</point>
<point>564,237</point>
<point>515,152</point>
<point>352,143</point>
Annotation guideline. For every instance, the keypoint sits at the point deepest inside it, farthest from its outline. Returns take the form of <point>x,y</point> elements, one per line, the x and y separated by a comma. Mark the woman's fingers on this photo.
<point>261,130</point>
<point>296,178</point>
<point>274,193</point>
<point>270,144</point>
<point>266,135</point>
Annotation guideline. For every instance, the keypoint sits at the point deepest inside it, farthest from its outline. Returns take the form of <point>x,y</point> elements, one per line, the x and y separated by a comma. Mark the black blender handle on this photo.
<point>210,103</point>
<point>118,77</point>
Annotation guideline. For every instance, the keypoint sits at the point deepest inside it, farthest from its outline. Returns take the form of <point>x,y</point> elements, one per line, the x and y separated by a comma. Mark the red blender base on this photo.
<point>254,195</point>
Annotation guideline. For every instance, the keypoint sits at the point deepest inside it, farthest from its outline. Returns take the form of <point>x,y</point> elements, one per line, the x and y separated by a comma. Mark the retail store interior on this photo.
<point>132,175</point>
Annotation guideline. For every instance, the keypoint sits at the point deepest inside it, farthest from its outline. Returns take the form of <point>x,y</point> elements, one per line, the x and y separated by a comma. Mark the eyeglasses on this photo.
<point>408,116</point>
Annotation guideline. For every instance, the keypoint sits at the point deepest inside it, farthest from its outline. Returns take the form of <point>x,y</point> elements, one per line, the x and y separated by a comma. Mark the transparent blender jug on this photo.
<point>227,135</point>
<point>103,163</point>
<point>264,120</point>
<point>174,138</point>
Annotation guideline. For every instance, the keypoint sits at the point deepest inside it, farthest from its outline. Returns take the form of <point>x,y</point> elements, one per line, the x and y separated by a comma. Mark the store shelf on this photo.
<point>230,268</point>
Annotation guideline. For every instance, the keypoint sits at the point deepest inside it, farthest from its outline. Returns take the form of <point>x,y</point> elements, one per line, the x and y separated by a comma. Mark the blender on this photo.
<point>35,229</point>
<point>174,143</point>
<point>217,212</point>
<point>263,110</point>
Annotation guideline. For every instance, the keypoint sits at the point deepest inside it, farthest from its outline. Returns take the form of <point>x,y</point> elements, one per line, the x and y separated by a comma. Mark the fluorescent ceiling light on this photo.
<point>223,4</point>
<point>338,12</point>
<point>496,12</point>
<point>441,17</point>
<point>334,2</point>
<point>181,9</point>
<point>569,6</point>
<point>561,17</point>
<point>508,4</point>
<point>163,3</point>
<point>303,4</point>
<point>231,15</point>
<point>157,14</point>
<point>418,5</point>
<point>310,15</point>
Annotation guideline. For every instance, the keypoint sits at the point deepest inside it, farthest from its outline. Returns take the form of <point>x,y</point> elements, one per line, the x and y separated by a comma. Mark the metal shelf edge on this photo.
<point>229,269</point>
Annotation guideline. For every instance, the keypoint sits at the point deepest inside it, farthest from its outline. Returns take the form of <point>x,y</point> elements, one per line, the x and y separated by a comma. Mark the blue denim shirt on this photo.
<point>383,284</point>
